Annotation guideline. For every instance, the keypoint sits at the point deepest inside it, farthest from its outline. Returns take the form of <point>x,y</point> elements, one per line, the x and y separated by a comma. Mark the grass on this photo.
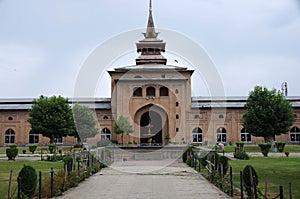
<point>256,149</point>
<point>16,166</point>
<point>274,171</point>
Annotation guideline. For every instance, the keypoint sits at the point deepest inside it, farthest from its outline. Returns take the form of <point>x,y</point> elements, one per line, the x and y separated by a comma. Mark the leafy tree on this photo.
<point>52,117</point>
<point>267,114</point>
<point>122,126</point>
<point>85,122</point>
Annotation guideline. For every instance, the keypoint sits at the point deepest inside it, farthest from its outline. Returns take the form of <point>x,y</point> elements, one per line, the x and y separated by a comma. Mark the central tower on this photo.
<point>151,47</point>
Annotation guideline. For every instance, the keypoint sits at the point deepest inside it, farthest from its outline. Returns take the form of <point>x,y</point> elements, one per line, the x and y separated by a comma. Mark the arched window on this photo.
<point>9,136</point>
<point>197,135</point>
<point>164,91</point>
<point>245,137</point>
<point>221,116</point>
<point>221,135</point>
<point>197,117</point>
<point>177,116</point>
<point>177,103</point>
<point>137,92</point>
<point>176,91</point>
<point>295,134</point>
<point>33,138</point>
<point>150,92</point>
<point>105,117</point>
<point>105,134</point>
<point>10,118</point>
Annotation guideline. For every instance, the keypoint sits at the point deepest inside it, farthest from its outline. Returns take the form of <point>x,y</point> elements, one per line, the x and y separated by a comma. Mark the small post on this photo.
<point>199,165</point>
<point>19,188</point>
<point>231,183</point>
<point>241,185</point>
<point>290,191</point>
<point>195,163</point>
<point>40,185</point>
<point>281,192</point>
<point>51,182</point>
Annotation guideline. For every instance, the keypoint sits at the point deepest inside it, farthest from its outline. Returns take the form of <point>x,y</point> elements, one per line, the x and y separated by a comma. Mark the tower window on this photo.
<point>105,134</point>
<point>137,92</point>
<point>105,117</point>
<point>164,91</point>
<point>197,117</point>
<point>10,118</point>
<point>176,91</point>
<point>221,116</point>
<point>177,116</point>
<point>177,103</point>
<point>150,92</point>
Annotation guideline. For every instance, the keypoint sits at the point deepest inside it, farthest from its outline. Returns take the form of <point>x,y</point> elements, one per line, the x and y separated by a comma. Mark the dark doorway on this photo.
<point>151,133</point>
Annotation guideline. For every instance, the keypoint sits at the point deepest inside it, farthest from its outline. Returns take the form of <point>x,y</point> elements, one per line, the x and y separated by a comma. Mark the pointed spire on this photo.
<point>151,47</point>
<point>150,33</point>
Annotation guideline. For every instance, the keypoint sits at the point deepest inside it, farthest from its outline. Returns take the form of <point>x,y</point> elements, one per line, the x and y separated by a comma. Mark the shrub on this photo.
<point>239,147</point>
<point>13,146</point>
<point>247,180</point>
<point>223,162</point>
<point>188,161</point>
<point>12,152</point>
<point>68,160</point>
<point>189,150</point>
<point>241,155</point>
<point>52,148</point>
<point>24,151</point>
<point>265,148</point>
<point>280,146</point>
<point>32,148</point>
<point>28,180</point>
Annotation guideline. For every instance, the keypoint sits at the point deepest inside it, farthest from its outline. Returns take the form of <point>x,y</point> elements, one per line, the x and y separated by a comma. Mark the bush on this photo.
<point>223,162</point>
<point>12,153</point>
<point>188,161</point>
<point>32,148</point>
<point>265,148</point>
<point>241,155</point>
<point>287,153</point>
<point>68,160</point>
<point>247,179</point>
<point>189,150</point>
<point>280,146</point>
<point>28,180</point>
<point>239,147</point>
<point>52,148</point>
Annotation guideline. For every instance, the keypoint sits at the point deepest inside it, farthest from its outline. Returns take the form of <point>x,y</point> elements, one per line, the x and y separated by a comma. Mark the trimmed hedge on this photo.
<point>32,148</point>
<point>280,146</point>
<point>28,180</point>
<point>265,148</point>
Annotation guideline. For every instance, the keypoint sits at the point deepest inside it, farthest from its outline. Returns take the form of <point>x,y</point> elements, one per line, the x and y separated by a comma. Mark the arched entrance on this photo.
<point>151,122</point>
<point>151,128</point>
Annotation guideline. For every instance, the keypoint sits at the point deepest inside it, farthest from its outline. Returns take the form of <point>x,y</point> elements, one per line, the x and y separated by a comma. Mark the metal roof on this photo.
<point>26,103</point>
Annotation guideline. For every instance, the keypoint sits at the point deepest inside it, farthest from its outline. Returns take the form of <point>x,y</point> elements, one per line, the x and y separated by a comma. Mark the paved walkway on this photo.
<point>146,180</point>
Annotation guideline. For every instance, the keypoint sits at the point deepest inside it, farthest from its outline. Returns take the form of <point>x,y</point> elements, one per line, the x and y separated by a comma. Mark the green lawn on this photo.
<point>276,171</point>
<point>256,149</point>
<point>16,166</point>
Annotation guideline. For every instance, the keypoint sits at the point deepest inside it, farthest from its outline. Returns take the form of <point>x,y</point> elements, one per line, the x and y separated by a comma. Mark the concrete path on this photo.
<point>146,180</point>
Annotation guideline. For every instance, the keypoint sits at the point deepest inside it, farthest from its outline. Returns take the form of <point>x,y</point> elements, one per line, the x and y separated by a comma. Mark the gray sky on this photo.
<point>43,44</point>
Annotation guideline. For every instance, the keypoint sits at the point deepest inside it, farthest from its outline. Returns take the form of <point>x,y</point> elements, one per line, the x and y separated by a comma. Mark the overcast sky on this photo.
<point>43,44</point>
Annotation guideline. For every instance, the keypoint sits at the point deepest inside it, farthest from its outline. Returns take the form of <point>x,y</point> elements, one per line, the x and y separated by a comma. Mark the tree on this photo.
<point>52,117</point>
<point>85,122</point>
<point>267,114</point>
<point>122,126</point>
